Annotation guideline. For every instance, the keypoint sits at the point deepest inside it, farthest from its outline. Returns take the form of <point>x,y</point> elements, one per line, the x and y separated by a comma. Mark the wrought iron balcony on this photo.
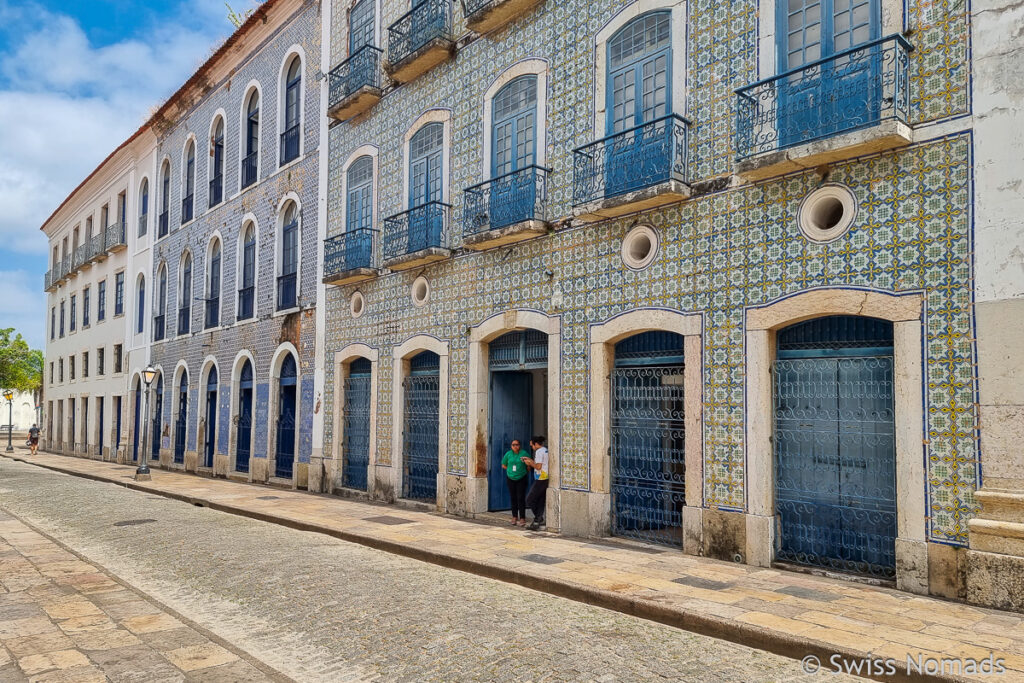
<point>158,327</point>
<point>417,236</point>
<point>486,15</point>
<point>355,83</point>
<point>186,209</point>
<point>639,168</point>
<point>290,145</point>
<point>116,237</point>
<point>184,320</point>
<point>420,40</point>
<point>249,169</point>
<point>246,301</point>
<point>65,267</point>
<point>861,94</point>
<point>212,313</point>
<point>79,256</point>
<point>287,294</point>
<point>348,257</point>
<point>97,248</point>
<point>216,190</point>
<point>509,208</point>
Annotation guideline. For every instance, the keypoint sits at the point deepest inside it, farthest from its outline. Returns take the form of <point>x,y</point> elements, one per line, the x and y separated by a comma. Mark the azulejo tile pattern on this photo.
<point>720,253</point>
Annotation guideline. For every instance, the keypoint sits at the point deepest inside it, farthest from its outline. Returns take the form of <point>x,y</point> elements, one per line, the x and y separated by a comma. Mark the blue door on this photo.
<point>357,425</point>
<point>835,481</point>
<point>99,417</point>
<point>826,96</point>
<point>136,435</point>
<point>284,458</point>
<point>513,188</point>
<point>511,418</point>
<point>648,459</point>
<point>639,91</point>
<point>426,220</point>
<point>182,421</point>
<point>158,418</point>
<point>211,418</point>
<point>243,439</point>
<point>422,420</point>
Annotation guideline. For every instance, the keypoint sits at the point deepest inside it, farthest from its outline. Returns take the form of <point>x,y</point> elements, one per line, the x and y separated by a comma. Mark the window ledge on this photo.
<point>287,311</point>
<point>282,167</point>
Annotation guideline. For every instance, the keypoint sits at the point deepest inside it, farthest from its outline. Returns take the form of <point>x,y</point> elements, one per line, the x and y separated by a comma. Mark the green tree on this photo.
<point>21,368</point>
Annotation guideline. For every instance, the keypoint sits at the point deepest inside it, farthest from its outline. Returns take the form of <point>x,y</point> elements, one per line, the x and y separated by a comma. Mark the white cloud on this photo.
<point>23,305</point>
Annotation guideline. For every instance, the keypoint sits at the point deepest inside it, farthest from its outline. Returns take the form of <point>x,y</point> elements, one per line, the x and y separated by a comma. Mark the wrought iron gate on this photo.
<point>179,427</point>
<point>243,436</point>
<point>422,406</point>
<point>357,426</point>
<point>648,436</point>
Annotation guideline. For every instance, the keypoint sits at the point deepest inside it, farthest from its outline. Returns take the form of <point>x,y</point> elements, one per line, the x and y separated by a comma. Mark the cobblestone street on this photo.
<point>316,608</point>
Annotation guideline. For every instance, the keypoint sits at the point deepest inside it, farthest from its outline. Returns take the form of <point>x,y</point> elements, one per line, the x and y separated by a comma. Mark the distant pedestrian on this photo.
<point>537,500</point>
<point>33,439</point>
<point>516,473</point>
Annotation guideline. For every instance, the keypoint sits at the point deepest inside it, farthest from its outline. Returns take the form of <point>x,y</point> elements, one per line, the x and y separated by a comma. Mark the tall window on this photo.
<point>53,322</point>
<point>62,319</point>
<point>213,286</point>
<point>100,353</point>
<point>85,307</point>
<point>359,182</point>
<point>185,305</point>
<point>143,206</point>
<point>812,29</point>
<point>122,209</point>
<point>247,292</point>
<point>101,301</point>
<point>362,19</point>
<point>140,318</point>
<point>119,294</point>
<point>250,164</point>
<point>217,170</point>
<point>160,315</point>
<point>74,317</point>
<point>190,183</point>
<point>425,165</point>
<point>286,282</point>
<point>292,105</point>
<point>514,125</point>
<point>165,199</point>
<point>639,78</point>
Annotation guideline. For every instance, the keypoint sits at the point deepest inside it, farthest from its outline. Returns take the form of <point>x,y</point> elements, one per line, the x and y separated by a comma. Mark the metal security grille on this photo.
<point>357,426</point>
<point>519,351</point>
<point>835,463</point>
<point>647,453</point>
<point>419,480</point>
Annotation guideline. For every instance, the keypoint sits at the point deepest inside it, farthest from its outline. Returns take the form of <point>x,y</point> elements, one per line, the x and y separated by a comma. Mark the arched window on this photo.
<point>359,182</point>
<point>188,191</point>
<point>639,73</point>
<point>292,111</point>
<point>143,206</point>
<point>287,281</point>
<point>185,304</point>
<point>247,292</point>
<point>361,30</point>
<point>514,126</point>
<point>140,323</point>
<point>251,144</point>
<point>160,304</point>
<point>217,161</point>
<point>213,286</point>
<point>165,200</point>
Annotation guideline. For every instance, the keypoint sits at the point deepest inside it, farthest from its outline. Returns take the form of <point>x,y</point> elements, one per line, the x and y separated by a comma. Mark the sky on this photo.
<point>77,77</point>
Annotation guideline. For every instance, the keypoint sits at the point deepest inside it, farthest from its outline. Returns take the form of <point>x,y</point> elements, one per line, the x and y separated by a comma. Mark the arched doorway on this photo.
<point>358,387</point>
<point>648,454</point>
<point>243,439</point>
<point>158,418</point>
<point>137,422</point>
<point>835,447</point>
<point>209,445</point>
<point>284,456</point>
<point>182,420</point>
<point>421,391</point>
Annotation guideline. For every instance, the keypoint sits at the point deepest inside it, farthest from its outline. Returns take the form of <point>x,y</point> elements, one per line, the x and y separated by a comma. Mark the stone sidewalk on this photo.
<point>63,619</point>
<point>784,612</point>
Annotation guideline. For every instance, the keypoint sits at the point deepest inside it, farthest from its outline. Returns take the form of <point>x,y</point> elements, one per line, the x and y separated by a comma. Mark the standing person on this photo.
<point>537,500</point>
<point>33,438</point>
<point>515,476</point>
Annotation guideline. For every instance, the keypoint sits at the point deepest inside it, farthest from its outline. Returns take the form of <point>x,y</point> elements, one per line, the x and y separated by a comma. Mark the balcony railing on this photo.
<point>184,320</point>
<point>97,249</point>
<point>290,144</point>
<point>642,157</point>
<point>216,190</point>
<point>249,169</point>
<point>186,209</point>
<point>50,280</point>
<point>361,70</point>
<point>428,20</point>
<point>423,227</point>
<point>65,266</point>
<point>506,200</point>
<point>850,90</point>
<point>79,256</point>
<point>486,15</point>
<point>348,251</point>
<point>212,313</point>
<point>116,236</point>
<point>158,327</point>
<point>246,299</point>
<point>286,291</point>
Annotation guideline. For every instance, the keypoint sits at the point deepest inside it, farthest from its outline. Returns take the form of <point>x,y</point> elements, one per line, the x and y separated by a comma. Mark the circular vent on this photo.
<point>827,213</point>
<point>357,304</point>
<point>420,291</point>
<point>640,247</point>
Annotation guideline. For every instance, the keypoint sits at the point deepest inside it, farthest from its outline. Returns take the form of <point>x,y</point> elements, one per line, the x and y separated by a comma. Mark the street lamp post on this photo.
<point>142,473</point>
<point>9,395</point>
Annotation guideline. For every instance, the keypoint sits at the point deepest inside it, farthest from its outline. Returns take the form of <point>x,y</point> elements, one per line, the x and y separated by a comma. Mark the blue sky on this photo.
<point>77,77</point>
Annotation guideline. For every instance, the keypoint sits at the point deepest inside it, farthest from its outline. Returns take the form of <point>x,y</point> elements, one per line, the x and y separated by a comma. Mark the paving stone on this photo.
<point>172,640</point>
<point>199,656</point>
<point>37,644</point>
<point>106,639</point>
<point>137,664</point>
<point>151,622</point>
<point>233,672</point>
<point>61,659</point>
